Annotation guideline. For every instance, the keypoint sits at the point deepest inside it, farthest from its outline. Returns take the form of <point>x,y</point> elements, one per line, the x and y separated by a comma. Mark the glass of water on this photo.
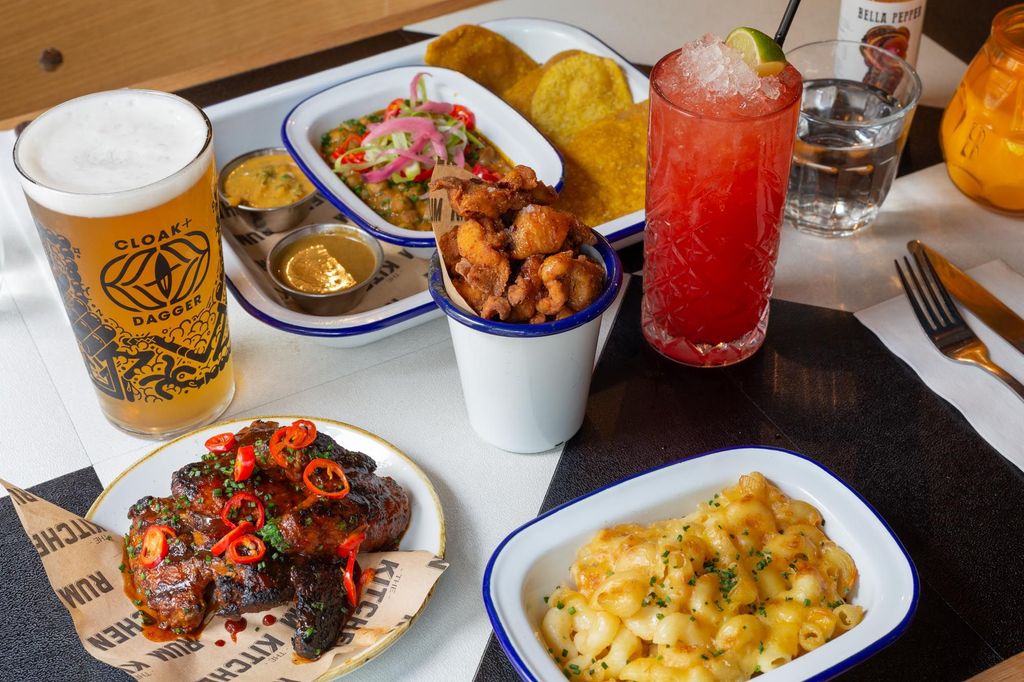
<point>858,103</point>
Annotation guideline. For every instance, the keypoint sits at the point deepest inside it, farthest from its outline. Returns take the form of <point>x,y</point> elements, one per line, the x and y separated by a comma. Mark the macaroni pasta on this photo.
<point>741,586</point>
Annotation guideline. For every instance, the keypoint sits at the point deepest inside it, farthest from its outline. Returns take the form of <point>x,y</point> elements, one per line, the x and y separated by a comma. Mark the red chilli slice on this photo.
<point>245,462</point>
<point>331,470</point>
<point>221,443</point>
<point>154,545</point>
<point>232,535</point>
<point>235,502</point>
<point>253,547</point>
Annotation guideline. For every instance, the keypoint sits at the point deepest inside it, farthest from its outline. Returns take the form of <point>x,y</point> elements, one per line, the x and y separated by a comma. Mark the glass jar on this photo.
<point>982,133</point>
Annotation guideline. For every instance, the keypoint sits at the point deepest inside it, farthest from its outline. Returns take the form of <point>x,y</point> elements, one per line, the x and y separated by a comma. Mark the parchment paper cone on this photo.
<point>444,219</point>
<point>82,562</point>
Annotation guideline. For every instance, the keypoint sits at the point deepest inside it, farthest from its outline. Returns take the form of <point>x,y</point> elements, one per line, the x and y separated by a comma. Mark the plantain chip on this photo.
<point>520,95</point>
<point>575,92</point>
<point>582,102</point>
<point>486,57</point>
<point>606,167</point>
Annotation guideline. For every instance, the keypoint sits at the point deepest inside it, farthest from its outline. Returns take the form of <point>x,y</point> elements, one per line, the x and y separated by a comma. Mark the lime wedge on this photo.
<point>758,49</point>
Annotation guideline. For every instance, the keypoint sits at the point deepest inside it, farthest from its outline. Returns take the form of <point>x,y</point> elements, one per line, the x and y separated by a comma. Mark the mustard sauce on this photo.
<point>325,263</point>
<point>268,181</point>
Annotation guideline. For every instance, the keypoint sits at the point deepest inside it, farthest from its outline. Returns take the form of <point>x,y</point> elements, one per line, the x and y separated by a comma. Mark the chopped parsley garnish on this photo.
<point>726,579</point>
<point>271,534</point>
<point>763,563</point>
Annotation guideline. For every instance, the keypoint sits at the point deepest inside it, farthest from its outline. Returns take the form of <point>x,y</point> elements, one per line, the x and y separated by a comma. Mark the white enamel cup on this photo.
<point>526,385</point>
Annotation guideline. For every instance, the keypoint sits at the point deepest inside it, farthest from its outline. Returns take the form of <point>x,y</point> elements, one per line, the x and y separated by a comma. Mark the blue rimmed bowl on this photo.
<point>501,124</point>
<point>535,558</point>
<point>526,385</point>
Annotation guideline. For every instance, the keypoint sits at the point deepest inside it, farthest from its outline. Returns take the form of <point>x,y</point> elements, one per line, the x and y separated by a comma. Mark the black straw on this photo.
<point>787,19</point>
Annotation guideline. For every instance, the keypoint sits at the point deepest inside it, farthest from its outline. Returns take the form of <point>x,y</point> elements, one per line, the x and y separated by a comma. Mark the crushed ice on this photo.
<point>721,70</point>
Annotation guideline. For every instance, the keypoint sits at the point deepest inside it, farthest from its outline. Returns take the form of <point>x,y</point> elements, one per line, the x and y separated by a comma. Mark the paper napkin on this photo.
<point>993,409</point>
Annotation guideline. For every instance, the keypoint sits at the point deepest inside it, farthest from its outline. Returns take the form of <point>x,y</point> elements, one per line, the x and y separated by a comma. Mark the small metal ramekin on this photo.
<point>276,219</point>
<point>337,302</point>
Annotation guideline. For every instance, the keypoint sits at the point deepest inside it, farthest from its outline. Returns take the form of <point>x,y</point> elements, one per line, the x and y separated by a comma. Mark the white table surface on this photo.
<point>405,386</point>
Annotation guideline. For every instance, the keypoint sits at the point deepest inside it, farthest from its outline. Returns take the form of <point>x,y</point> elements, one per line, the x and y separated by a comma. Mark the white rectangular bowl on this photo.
<point>535,558</point>
<point>497,121</point>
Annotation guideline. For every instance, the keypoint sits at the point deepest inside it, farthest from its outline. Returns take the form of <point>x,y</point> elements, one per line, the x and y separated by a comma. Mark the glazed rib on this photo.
<point>302,534</point>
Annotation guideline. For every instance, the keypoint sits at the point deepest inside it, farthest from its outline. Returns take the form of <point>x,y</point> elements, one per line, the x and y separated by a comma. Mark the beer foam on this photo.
<point>112,153</point>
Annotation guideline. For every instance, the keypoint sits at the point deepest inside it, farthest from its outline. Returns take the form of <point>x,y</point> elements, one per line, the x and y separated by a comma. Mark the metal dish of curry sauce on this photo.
<point>266,180</point>
<point>387,157</point>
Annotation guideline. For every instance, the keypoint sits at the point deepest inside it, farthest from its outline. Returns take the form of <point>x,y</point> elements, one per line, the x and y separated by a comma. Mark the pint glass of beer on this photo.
<point>121,187</point>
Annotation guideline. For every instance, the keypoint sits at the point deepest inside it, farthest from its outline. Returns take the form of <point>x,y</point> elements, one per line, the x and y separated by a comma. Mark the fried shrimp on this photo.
<point>515,258</point>
<point>474,198</point>
<point>553,273</point>
<point>485,264</point>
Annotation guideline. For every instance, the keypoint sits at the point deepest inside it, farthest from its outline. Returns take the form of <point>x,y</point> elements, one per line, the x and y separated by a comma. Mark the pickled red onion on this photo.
<point>410,131</point>
<point>436,107</point>
<point>416,158</point>
<point>419,127</point>
<point>384,173</point>
<point>414,86</point>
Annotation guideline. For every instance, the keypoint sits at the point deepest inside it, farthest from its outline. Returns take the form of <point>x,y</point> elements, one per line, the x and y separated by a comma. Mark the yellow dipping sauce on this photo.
<point>268,181</point>
<point>325,263</point>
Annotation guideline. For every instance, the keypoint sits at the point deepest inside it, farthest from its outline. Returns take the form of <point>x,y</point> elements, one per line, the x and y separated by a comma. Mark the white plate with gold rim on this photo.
<point>151,475</point>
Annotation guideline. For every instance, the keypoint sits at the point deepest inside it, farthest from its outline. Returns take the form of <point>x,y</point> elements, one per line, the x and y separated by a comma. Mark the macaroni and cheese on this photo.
<point>741,586</point>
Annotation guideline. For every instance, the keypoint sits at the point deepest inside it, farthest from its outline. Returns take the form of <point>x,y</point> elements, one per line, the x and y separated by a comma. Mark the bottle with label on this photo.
<point>893,25</point>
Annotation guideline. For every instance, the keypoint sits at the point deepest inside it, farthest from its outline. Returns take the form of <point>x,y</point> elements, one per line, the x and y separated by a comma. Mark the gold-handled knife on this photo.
<point>975,297</point>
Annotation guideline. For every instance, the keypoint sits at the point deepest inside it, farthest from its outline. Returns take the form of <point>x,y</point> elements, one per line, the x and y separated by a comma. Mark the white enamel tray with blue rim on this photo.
<point>501,124</point>
<point>254,121</point>
<point>535,558</point>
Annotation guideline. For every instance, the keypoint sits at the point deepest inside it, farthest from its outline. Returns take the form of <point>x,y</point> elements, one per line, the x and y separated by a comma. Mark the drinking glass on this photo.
<point>858,103</point>
<point>715,186</point>
<point>121,187</point>
<point>982,131</point>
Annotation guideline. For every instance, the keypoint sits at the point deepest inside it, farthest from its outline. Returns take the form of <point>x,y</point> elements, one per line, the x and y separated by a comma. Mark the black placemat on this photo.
<point>36,633</point>
<point>824,385</point>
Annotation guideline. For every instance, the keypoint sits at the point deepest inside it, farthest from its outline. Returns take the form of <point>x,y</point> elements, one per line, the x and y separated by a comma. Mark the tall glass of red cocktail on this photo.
<point>719,149</point>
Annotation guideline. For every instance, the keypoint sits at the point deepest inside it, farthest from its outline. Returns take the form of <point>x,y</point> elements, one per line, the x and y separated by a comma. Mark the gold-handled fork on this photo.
<point>942,321</point>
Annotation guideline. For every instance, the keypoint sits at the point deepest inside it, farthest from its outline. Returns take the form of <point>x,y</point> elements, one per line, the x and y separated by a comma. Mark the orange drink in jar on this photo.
<point>982,133</point>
